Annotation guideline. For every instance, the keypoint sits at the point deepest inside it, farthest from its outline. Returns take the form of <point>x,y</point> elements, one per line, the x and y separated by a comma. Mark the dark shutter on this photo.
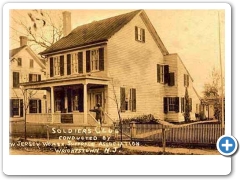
<point>101,59</point>
<point>21,108</point>
<point>61,65</point>
<point>80,62</point>
<point>51,67</point>
<point>134,100</point>
<point>158,73</point>
<point>87,61</point>
<point>136,33</point>
<point>143,35</point>
<point>68,64</point>
<point>176,104</point>
<point>39,77</point>
<point>15,79</point>
<point>165,105</point>
<point>11,108</point>
<point>30,77</point>
<point>39,106</point>
<point>187,80</point>
<point>122,99</point>
<point>171,81</point>
<point>190,104</point>
<point>80,100</point>
<point>182,104</point>
<point>166,74</point>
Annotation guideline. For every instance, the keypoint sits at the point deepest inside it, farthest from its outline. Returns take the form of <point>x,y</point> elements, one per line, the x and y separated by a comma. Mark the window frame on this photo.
<point>129,103</point>
<point>37,107</point>
<point>74,63</point>
<point>171,104</point>
<point>94,61</point>
<point>16,84</point>
<point>31,63</point>
<point>19,62</point>
<point>139,34</point>
<point>56,66</point>
<point>18,108</point>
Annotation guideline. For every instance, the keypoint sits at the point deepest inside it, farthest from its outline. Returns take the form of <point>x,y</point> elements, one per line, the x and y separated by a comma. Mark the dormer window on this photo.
<point>139,34</point>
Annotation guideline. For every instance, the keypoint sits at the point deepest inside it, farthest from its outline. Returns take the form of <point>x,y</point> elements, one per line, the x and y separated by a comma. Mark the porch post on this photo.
<point>52,102</point>
<point>85,103</point>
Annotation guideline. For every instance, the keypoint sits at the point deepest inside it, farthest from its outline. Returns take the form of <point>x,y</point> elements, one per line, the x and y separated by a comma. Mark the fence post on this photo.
<point>163,138</point>
<point>47,133</point>
<point>132,129</point>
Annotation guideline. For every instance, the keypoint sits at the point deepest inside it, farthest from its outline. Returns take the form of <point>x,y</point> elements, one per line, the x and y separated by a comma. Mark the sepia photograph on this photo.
<point>116,81</point>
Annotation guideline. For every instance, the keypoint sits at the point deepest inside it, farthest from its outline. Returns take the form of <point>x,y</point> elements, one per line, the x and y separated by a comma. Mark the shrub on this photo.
<point>144,119</point>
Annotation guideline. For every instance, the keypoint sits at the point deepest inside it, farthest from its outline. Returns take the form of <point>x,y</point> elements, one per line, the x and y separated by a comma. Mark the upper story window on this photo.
<point>74,64</point>
<point>34,77</point>
<point>162,73</point>
<point>31,63</point>
<point>16,79</point>
<point>95,60</point>
<point>139,34</point>
<point>56,66</point>
<point>186,80</point>
<point>19,61</point>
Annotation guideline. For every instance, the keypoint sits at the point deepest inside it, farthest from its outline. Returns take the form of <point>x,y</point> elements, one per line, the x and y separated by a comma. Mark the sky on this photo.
<point>193,34</point>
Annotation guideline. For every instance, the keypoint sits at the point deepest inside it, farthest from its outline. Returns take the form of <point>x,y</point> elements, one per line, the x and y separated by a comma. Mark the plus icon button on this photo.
<point>227,145</point>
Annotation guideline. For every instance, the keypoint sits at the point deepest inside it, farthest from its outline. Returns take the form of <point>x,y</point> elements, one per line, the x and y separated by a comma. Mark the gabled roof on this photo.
<point>97,31</point>
<point>13,52</point>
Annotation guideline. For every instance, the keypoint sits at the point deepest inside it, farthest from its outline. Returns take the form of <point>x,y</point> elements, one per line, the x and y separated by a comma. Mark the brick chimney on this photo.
<point>67,25</point>
<point>23,40</point>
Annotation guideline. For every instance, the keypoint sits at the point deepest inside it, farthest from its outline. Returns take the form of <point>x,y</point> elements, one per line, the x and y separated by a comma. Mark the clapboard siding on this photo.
<point>133,64</point>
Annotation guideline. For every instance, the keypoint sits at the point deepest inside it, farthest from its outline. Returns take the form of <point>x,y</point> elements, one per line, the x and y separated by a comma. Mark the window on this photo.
<point>184,104</point>
<point>16,108</point>
<point>35,106</point>
<point>74,64</point>
<point>19,61</point>
<point>128,99</point>
<point>139,34</point>
<point>186,80</point>
<point>171,104</point>
<point>31,63</point>
<point>15,79</point>
<point>56,66</point>
<point>34,77</point>
<point>58,105</point>
<point>162,73</point>
<point>95,60</point>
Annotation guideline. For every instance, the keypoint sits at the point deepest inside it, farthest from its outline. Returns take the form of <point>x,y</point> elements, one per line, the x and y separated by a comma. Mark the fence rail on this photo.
<point>195,133</point>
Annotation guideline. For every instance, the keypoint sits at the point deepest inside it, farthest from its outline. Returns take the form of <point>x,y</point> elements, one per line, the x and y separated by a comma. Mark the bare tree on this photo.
<point>42,27</point>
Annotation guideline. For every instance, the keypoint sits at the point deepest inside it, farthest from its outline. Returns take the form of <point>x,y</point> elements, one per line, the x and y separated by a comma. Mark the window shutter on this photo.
<point>136,33</point>
<point>165,105</point>
<point>68,64</point>
<point>166,74</point>
<point>80,62</point>
<point>171,81</point>
<point>11,108</point>
<point>190,104</point>
<point>143,34</point>
<point>134,100</point>
<point>88,61</point>
<point>187,80</point>
<point>158,73</point>
<point>15,79</point>
<point>30,77</point>
<point>176,104</point>
<point>61,65</point>
<point>21,108</point>
<point>39,77</point>
<point>39,106</point>
<point>182,104</point>
<point>122,99</point>
<point>101,59</point>
<point>51,67</point>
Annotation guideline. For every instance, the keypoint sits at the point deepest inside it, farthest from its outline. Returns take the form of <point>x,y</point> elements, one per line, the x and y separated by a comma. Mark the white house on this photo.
<point>117,62</point>
<point>25,66</point>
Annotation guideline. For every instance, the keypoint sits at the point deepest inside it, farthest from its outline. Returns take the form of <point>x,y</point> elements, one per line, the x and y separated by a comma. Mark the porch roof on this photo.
<point>64,81</point>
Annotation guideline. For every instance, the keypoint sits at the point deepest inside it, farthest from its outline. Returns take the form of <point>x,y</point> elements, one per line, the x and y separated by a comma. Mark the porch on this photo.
<point>70,101</point>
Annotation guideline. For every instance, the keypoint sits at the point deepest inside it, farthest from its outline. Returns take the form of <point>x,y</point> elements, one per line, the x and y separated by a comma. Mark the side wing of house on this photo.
<point>183,81</point>
<point>25,67</point>
<point>133,57</point>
